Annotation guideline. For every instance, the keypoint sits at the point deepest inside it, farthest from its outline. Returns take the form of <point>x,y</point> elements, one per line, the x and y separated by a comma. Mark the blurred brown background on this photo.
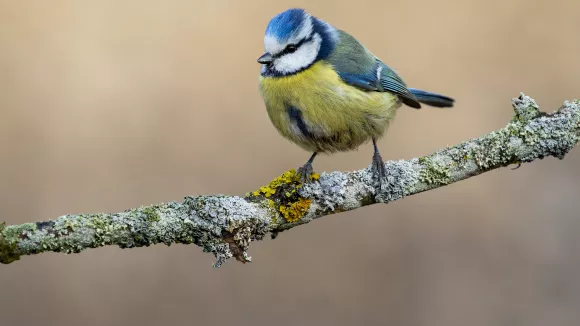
<point>112,104</point>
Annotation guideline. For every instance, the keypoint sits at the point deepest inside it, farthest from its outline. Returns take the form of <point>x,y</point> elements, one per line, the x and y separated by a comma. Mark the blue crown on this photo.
<point>283,25</point>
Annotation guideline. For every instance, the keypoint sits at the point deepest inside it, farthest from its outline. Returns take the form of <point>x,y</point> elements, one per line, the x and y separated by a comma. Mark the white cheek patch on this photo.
<point>302,58</point>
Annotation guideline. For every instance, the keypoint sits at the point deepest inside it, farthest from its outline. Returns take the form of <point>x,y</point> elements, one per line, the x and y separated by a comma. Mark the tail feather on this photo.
<point>432,99</point>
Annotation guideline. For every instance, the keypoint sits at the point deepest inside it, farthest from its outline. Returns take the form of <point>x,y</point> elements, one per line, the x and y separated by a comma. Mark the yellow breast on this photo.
<point>318,111</point>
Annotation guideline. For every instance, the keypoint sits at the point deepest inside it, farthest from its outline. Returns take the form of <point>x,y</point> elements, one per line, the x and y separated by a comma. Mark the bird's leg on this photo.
<point>306,170</point>
<point>378,166</point>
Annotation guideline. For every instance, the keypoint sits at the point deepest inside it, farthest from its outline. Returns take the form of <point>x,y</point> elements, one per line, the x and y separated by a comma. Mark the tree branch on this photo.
<point>225,225</point>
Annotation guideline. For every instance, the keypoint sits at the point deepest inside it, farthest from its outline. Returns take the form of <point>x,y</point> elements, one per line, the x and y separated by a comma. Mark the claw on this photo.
<point>305,171</point>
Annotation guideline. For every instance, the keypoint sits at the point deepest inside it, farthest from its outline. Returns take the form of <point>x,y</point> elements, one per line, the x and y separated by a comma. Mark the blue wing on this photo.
<point>358,67</point>
<point>381,78</point>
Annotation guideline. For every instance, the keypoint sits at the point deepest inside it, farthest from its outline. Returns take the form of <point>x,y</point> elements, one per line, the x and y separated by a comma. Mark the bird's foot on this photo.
<point>305,173</point>
<point>379,171</point>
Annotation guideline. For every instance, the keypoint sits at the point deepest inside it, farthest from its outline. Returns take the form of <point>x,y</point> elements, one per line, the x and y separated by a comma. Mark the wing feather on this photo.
<point>358,67</point>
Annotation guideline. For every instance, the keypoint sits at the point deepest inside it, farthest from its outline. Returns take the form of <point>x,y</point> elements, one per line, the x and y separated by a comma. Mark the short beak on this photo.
<point>266,58</point>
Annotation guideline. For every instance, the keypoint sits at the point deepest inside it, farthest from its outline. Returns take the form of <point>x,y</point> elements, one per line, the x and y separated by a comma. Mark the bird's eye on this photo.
<point>291,48</point>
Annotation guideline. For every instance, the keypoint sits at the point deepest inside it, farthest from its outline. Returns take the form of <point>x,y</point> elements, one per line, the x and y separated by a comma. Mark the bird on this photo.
<point>327,93</point>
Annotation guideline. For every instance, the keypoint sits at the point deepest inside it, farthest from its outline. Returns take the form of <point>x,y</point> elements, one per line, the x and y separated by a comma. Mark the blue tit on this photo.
<point>326,92</point>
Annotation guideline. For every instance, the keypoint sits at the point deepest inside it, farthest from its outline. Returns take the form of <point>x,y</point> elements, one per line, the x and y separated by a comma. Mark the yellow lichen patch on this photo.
<point>269,190</point>
<point>281,194</point>
<point>266,191</point>
<point>296,210</point>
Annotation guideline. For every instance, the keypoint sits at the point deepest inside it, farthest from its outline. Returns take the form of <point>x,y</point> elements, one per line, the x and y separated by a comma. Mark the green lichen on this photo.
<point>8,253</point>
<point>530,135</point>
<point>150,214</point>
<point>525,109</point>
<point>204,220</point>
<point>108,234</point>
<point>499,148</point>
<point>434,172</point>
<point>14,232</point>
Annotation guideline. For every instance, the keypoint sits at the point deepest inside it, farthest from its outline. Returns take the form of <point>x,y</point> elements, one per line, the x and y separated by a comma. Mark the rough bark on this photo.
<point>225,225</point>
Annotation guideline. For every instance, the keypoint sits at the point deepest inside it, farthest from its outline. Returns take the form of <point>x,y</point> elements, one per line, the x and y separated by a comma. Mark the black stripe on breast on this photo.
<point>323,143</point>
<point>296,118</point>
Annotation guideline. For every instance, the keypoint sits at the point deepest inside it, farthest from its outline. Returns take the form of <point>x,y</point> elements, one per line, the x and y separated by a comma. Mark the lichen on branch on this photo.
<point>226,225</point>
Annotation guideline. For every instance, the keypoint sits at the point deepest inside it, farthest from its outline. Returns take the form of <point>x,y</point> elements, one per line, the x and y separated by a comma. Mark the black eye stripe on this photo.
<point>297,45</point>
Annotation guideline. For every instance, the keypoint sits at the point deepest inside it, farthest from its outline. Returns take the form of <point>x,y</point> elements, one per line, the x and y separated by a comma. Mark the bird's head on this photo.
<point>295,40</point>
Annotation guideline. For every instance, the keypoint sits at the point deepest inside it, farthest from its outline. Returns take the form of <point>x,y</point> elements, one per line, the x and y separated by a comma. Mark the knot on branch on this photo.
<point>226,225</point>
<point>525,107</point>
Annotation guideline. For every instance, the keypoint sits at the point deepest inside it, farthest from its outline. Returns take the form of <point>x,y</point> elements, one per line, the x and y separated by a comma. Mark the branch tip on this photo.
<point>8,251</point>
